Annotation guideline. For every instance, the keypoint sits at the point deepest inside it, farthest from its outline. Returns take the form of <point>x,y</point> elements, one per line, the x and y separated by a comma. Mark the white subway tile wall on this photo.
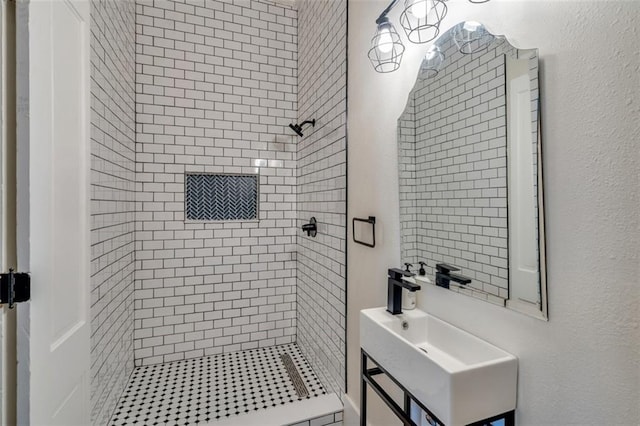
<point>453,169</point>
<point>112,202</point>
<point>408,195</point>
<point>322,179</point>
<point>216,87</point>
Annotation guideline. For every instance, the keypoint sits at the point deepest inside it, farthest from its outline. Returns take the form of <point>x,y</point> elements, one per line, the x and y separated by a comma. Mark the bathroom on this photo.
<point>190,94</point>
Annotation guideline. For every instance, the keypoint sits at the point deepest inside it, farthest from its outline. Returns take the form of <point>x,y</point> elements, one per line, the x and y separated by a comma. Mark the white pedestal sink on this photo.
<point>459,377</point>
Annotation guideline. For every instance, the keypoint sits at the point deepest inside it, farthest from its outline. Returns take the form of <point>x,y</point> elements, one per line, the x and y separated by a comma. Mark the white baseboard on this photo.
<point>351,412</point>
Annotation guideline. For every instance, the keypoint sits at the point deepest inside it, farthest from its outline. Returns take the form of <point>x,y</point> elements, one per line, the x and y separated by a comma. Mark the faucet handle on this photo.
<point>397,274</point>
<point>443,268</point>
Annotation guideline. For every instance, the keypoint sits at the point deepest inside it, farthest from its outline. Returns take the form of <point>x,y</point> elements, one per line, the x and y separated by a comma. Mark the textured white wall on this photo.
<point>581,367</point>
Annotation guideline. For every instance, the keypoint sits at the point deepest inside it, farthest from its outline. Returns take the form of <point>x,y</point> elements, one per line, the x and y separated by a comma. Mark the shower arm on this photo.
<point>298,127</point>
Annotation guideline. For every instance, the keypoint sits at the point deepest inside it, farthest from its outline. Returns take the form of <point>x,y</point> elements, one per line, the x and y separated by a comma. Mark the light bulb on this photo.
<point>385,42</point>
<point>471,26</point>
<point>419,9</point>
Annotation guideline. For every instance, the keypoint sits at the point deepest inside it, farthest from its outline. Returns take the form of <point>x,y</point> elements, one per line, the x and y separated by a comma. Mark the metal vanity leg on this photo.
<point>407,404</point>
<point>510,419</point>
<point>363,389</point>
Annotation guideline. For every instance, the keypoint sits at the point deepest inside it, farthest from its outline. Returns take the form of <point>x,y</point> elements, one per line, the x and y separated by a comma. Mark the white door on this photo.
<point>3,367</point>
<point>524,272</point>
<point>53,211</point>
<point>7,207</point>
<point>3,310</point>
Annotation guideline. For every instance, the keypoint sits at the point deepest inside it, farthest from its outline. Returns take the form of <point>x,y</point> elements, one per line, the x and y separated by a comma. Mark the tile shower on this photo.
<point>196,94</point>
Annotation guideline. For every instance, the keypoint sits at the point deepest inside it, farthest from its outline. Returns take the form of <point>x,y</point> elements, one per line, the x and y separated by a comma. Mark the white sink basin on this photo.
<point>460,378</point>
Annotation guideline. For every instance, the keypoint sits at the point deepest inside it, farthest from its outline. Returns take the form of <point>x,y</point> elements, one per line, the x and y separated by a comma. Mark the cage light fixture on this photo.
<point>432,63</point>
<point>472,37</point>
<point>421,19</point>
<point>386,49</point>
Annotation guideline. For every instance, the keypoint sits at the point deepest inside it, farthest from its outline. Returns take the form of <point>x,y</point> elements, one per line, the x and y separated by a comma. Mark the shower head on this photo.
<point>298,127</point>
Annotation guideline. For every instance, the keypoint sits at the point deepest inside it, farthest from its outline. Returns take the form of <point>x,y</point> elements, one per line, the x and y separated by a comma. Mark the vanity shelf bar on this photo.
<point>403,413</point>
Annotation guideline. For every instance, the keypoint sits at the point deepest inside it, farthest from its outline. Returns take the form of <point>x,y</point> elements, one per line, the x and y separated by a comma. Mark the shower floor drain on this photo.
<point>217,387</point>
<point>297,381</point>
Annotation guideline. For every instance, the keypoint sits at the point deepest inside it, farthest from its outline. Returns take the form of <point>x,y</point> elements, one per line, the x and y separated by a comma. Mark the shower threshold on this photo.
<point>266,386</point>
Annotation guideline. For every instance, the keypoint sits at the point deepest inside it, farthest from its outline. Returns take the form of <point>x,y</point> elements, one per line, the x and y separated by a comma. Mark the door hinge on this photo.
<point>14,287</point>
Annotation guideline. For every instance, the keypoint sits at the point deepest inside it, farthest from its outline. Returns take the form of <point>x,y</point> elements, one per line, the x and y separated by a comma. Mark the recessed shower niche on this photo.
<point>221,197</point>
<point>470,168</point>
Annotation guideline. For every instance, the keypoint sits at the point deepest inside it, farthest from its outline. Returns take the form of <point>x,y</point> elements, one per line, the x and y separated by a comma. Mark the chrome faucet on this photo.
<point>395,284</point>
<point>444,275</point>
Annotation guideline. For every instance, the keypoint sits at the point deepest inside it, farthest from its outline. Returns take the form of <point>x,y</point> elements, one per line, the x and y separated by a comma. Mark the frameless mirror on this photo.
<point>470,168</point>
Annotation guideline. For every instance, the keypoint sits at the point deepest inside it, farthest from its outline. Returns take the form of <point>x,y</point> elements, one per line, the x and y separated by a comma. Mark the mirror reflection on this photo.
<point>470,171</point>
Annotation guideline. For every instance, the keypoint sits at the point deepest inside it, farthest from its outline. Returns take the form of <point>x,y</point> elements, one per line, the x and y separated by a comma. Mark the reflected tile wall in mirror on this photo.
<point>453,155</point>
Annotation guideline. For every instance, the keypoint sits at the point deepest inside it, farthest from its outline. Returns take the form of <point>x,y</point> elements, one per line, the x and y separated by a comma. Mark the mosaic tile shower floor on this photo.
<point>203,390</point>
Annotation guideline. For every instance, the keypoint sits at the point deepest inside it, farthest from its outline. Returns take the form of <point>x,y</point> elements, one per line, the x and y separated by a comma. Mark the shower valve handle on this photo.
<point>311,228</point>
